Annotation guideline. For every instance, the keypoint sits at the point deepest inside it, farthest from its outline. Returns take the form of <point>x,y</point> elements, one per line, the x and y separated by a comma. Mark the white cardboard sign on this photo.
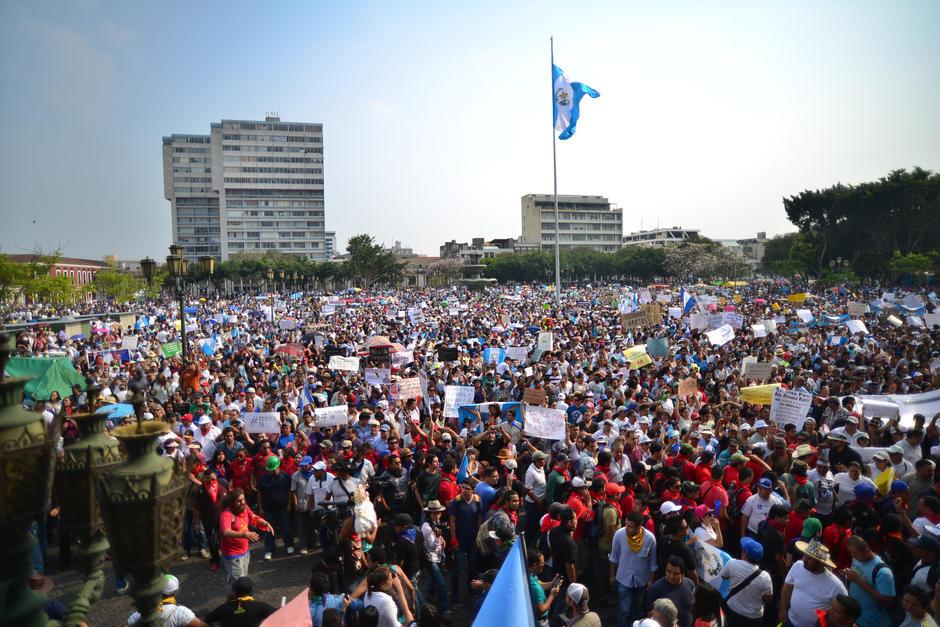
<point>349,364</point>
<point>378,376</point>
<point>721,336</point>
<point>542,422</point>
<point>790,407</point>
<point>262,422</point>
<point>335,416</point>
<point>456,396</point>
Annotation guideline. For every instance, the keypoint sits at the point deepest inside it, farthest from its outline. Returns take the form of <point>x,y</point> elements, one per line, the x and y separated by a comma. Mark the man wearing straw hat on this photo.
<point>810,585</point>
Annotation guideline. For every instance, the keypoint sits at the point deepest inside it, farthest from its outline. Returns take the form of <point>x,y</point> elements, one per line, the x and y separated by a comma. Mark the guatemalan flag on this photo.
<point>566,102</point>
<point>687,300</point>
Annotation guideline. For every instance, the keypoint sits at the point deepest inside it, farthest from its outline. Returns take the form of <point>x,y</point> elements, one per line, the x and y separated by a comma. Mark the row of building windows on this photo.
<point>271,214</point>
<point>182,189</point>
<point>250,170</point>
<point>293,139</point>
<point>580,237</point>
<point>244,159</point>
<point>189,149</point>
<point>269,126</point>
<point>271,245</point>
<point>266,181</point>
<point>579,206</point>
<point>274,203</point>
<point>192,160</point>
<point>192,179</point>
<point>190,170</point>
<point>312,224</point>
<point>582,226</point>
<point>80,277</point>
<point>606,216</point>
<point>197,202</point>
<point>301,149</point>
<point>280,193</point>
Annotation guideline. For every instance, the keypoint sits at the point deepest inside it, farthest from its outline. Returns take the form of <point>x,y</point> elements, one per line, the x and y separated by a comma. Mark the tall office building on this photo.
<point>248,186</point>
<point>583,222</point>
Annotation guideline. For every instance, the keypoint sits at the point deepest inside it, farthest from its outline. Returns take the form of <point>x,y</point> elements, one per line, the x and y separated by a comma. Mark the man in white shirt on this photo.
<point>902,467</point>
<point>846,482</point>
<point>747,601</point>
<point>810,585</point>
<point>206,435</point>
<point>851,431</point>
<point>757,506</point>
<point>535,493</point>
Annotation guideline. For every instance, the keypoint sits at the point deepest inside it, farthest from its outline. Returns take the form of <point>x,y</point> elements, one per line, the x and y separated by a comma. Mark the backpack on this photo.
<point>483,541</point>
<point>596,530</point>
<point>734,508</point>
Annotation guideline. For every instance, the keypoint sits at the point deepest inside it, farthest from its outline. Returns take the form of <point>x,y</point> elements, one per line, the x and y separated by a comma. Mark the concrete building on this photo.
<point>478,247</point>
<point>750,249</point>
<point>660,237</point>
<point>329,244</point>
<point>79,271</point>
<point>583,222</point>
<point>400,251</point>
<point>248,186</point>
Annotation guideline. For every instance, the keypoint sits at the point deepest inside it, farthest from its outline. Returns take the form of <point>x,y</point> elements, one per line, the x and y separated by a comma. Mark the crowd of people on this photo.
<point>658,507</point>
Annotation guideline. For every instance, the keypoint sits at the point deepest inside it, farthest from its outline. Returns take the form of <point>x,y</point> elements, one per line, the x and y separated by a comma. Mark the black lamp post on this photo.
<point>208,266</point>
<point>178,267</point>
<point>147,266</point>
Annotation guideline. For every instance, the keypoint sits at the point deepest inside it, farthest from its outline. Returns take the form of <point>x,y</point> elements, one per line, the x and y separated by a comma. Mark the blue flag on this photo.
<point>566,102</point>
<point>305,398</point>
<point>462,472</point>
<point>508,602</point>
<point>687,300</point>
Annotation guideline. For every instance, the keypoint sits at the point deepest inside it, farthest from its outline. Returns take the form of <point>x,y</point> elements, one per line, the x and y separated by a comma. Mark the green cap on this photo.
<point>811,527</point>
<point>273,463</point>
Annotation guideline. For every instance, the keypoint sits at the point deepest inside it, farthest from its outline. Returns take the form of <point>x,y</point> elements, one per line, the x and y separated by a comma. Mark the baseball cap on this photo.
<point>899,486</point>
<point>928,543</point>
<point>702,511</point>
<point>576,592</point>
<point>836,435</point>
<point>320,465</point>
<point>306,460</point>
<point>273,463</point>
<point>760,424</point>
<point>170,585</point>
<point>204,420</point>
<point>669,508</point>
<point>765,483</point>
<point>578,482</point>
<point>753,549</point>
<point>882,456</point>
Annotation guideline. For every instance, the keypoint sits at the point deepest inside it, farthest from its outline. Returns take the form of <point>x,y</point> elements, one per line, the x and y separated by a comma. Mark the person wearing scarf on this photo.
<point>209,499</point>
<point>632,564</point>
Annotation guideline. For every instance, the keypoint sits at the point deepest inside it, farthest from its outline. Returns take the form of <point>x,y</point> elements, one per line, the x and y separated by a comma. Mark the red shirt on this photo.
<point>447,489</point>
<point>241,474</point>
<point>731,476</point>
<point>228,520</point>
<point>627,502</point>
<point>583,514</point>
<point>794,526</point>
<point>834,537</point>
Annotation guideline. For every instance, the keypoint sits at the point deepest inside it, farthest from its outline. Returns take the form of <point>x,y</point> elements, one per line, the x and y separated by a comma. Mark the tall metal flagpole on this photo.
<point>551,41</point>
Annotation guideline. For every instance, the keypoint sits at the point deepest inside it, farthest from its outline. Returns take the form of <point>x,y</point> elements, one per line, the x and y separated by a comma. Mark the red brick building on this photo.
<point>80,271</point>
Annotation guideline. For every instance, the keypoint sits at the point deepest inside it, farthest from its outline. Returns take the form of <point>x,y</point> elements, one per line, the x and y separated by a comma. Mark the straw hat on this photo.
<point>435,506</point>
<point>816,550</point>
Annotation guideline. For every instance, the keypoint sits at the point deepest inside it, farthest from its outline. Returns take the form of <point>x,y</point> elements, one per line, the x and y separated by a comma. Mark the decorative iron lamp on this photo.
<point>83,463</point>
<point>142,503</point>
<point>147,266</point>
<point>26,461</point>
<point>207,264</point>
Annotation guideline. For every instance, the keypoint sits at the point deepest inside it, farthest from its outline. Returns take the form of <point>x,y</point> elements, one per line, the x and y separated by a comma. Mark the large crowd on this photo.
<point>658,506</point>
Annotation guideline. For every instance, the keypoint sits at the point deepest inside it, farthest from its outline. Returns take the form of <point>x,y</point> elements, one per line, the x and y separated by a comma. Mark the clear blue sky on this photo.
<point>437,115</point>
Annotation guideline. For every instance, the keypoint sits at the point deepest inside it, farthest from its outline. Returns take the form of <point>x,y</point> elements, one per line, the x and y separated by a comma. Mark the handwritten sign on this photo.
<point>790,407</point>
<point>759,330</point>
<point>653,312</point>
<point>736,320</point>
<point>758,370</point>
<point>688,387</point>
<point>857,309</point>
<point>721,336</point>
<point>542,422</point>
<point>517,353</point>
<point>336,416</point>
<point>262,422</point>
<point>534,396</point>
<point>129,342</point>
<point>770,325</point>
<point>546,341</point>
<point>447,353</point>
<point>456,396</point>
<point>378,376</point>
<point>348,364</point>
<point>796,298</point>
<point>634,319</point>
<point>409,388</point>
<point>856,326</point>
<point>402,358</point>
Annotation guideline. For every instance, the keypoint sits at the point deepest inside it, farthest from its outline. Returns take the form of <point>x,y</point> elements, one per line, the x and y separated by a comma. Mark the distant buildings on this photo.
<point>329,244</point>
<point>248,186</point>
<point>750,249</point>
<point>480,248</point>
<point>584,222</point>
<point>80,271</point>
<point>660,237</point>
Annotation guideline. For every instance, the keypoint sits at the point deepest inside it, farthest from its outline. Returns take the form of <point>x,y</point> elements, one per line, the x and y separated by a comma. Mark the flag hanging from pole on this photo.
<point>566,102</point>
<point>508,601</point>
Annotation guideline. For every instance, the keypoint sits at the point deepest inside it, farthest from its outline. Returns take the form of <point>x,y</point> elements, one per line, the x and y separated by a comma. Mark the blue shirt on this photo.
<point>633,569</point>
<point>486,493</point>
<point>873,613</point>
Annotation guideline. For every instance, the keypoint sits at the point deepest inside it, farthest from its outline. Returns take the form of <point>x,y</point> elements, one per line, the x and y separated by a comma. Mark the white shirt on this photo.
<point>749,601</point>
<point>207,440</point>
<point>851,437</point>
<point>433,544</point>
<point>756,509</point>
<point>811,592</point>
<point>173,616</point>
<point>535,481</point>
<point>846,487</point>
<point>388,611</point>
<point>911,453</point>
<point>318,488</point>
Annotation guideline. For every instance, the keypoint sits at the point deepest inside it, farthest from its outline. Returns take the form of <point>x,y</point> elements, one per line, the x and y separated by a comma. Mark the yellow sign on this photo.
<point>736,299</point>
<point>637,356</point>
<point>177,324</point>
<point>796,298</point>
<point>722,301</point>
<point>776,306</point>
<point>759,394</point>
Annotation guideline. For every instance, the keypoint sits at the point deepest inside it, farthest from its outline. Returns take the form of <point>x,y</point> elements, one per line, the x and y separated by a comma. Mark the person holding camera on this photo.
<point>435,534</point>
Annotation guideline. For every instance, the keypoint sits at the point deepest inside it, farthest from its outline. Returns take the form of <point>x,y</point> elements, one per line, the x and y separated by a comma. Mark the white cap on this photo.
<point>669,508</point>
<point>204,420</point>
<point>170,585</point>
<point>760,424</point>
<point>320,465</point>
<point>578,482</point>
<point>576,592</point>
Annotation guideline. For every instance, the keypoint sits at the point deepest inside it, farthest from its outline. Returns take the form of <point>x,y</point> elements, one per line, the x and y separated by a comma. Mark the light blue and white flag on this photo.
<point>687,299</point>
<point>566,102</point>
<point>509,601</point>
<point>305,398</point>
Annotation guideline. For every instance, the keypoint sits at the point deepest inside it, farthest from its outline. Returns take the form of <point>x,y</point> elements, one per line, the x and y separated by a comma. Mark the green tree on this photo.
<point>913,265</point>
<point>13,276</point>
<point>370,264</point>
<point>118,286</point>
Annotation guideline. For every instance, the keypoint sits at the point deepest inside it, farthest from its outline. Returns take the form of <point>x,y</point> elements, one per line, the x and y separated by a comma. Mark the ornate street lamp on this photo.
<point>142,504</point>
<point>208,266</point>
<point>27,457</point>
<point>147,266</point>
<point>84,463</point>
<point>178,267</point>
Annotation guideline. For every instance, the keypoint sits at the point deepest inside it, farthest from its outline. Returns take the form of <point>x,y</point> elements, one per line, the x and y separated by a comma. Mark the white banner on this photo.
<point>334,416</point>
<point>454,397</point>
<point>409,388</point>
<point>759,330</point>
<point>856,326</point>
<point>721,336</point>
<point>517,353</point>
<point>403,357</point>
<point>758,370</point>
<point>546,341</point>
<point>736,320</point>
<point>349,364</point>
<point>805,315</point>
<point>262,422</point>
<point>857,309</point>
<point>129,342</point>
<point>378,376</point>
<point>542,422</point>
<point>926,403</point>
<point>790,407</point>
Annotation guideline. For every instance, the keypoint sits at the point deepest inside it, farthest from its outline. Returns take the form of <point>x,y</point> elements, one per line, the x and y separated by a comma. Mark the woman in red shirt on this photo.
<point>234,523</point>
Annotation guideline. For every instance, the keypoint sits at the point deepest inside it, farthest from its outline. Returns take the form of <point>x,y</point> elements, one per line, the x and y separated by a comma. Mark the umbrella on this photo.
<point>78,336</point>
<point>117,410</point>
<point>296,350</point>
<point>377,341</point>
<point>308,337</point>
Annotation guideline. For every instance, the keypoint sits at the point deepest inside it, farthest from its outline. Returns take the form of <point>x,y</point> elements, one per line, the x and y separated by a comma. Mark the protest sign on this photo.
<point>454,397</point>
<point>664,298</point>
<point>653,311</point>
<point>688,387</point>
<point>658,347</point>
<point>336,416</point>
<point>931,319</point>
<point>634,319</point>
<point>790,407</point>
<point>546,341</point>
<point>759,330</point>
<point>327,310</point>
<point>770,325</point>
<point>129,342</point>
<point>645,297</point>
<point>542,422</point>
<point>805,315</point>
<point>379,354</point>
<point>517,353</point>
<point>796,298</point>
<point>720,336</point>
<point>415,315</point>
<point>534,396</point>
<point>713,321</point>
<point>409,388</point>
<point>287,324</point>
<point>378,376</point>
<point>758,370</point>
<point>759,394</point>
<point>262,422</point>
<point>698,321</point>
<point>675,312</point>
<point>402,358</point>
<point>736,320</point>
<point>447,353</point>
<point>857,309</point>
<point>171,349</point>
<point>349,364</point>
